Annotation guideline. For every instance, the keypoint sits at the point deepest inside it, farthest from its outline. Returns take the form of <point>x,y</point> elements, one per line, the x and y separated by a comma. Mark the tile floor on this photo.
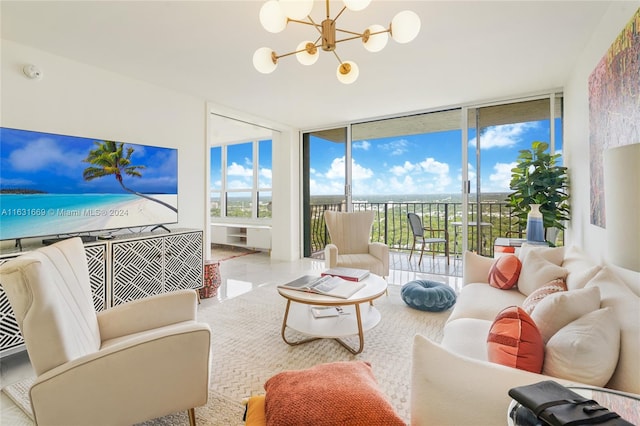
<point>240,275</point>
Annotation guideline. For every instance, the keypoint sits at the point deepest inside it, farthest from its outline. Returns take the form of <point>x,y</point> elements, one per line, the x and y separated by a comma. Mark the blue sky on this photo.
<point>53,163</point>
<point>424,164</point>
<point>240,166</point>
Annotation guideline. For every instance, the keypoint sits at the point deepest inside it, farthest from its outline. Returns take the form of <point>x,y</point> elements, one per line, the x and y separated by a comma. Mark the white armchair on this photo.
<point>351,245</point>
<point>134,362</point>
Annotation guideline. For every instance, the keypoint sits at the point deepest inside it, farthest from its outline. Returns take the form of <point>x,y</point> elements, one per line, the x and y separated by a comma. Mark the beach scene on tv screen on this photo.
<point>55,185</point>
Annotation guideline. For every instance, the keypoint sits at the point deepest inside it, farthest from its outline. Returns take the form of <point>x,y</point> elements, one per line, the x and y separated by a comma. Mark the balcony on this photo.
<point>391,227</point>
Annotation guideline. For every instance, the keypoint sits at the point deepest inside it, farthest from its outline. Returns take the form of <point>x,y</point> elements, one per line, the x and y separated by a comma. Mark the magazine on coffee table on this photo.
<point>326,285</point>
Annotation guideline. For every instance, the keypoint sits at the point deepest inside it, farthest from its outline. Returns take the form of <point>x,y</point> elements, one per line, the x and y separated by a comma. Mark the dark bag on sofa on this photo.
<point>559,406</point>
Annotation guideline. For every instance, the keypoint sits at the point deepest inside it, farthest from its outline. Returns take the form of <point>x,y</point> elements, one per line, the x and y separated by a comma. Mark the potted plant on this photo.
<point>537,179</point>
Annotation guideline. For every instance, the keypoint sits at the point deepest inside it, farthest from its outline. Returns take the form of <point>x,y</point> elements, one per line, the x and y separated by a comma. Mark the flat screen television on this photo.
<point>56,185</point>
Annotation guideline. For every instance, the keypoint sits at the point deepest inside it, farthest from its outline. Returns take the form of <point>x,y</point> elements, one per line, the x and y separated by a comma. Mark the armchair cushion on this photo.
<point>53,309</point>
<point>148,313</point>
<point>350,246</point>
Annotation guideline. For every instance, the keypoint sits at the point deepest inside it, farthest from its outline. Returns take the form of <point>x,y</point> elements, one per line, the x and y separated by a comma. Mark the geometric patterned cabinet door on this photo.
<point>183,267</point>
<point>10,337</point>
<point>155,265</point>
<point>137,269</point>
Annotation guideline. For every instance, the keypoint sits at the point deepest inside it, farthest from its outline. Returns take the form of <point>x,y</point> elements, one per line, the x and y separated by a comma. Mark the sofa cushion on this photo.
<point>468,337</point>
<point>537,295</point>
<point>475,267</point>
<point>514,341</point>
<point>504,272</point>
<point>580,269</point>
<point>481,301</point>
<point>328,394</point>
<point>586,350</point>
<point>537,271</point>
<point>625,305</point>
<point>554,255</point>
<point>559,309</point>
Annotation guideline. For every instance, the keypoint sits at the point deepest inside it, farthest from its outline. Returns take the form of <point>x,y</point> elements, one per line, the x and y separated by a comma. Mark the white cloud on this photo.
<point>397,147</point>
<point>337,170</point>
<point>430,165</point>
<point>500,178</point>
<point>503,136</point>
<point>236,169</point>
<point>363,145</point>
<point>407,167</point>
<point>45,153</point>
<point>266,173</point>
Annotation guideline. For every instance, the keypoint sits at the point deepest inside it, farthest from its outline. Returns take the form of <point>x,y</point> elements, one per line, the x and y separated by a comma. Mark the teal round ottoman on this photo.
<point>428,295</point>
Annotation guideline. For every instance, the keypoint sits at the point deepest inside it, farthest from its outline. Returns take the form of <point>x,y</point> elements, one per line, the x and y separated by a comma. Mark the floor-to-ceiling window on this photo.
<point>452,167</point>
<point>240,165</point>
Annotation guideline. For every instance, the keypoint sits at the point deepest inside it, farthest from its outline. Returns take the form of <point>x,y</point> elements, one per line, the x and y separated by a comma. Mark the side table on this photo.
<point>625,404</point>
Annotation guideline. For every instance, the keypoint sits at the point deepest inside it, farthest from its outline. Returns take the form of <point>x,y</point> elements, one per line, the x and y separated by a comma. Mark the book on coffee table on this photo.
<point>327,285</point>
<point>349,274</point>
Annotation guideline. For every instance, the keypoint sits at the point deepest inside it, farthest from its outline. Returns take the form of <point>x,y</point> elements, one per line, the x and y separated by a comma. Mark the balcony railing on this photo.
<point>391,227</point>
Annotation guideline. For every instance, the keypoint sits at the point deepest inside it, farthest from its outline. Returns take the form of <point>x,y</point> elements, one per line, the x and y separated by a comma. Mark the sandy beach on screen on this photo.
<point>135,213</point>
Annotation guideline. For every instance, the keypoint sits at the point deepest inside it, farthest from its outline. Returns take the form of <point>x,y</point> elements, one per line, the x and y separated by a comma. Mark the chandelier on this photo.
<point>276,14</point>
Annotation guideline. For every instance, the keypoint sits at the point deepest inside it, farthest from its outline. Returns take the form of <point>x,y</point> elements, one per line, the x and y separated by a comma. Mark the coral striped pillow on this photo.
<point>534,298</point>
<point>515,341</point>
<point>505,271</point>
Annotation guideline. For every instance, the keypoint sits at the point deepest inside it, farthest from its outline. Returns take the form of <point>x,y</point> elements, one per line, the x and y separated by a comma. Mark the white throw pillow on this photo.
<point>537,271</point>
<point>554,255</point>
<point>586,350</point>
<point>580,268</point>
<point>559,309</point>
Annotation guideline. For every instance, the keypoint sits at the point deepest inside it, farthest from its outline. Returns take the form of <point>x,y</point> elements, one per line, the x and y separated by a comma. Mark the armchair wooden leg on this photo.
<point>192,416</point>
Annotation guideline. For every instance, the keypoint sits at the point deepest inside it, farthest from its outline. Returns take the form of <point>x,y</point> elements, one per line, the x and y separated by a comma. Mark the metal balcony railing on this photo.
<point>391,227</point>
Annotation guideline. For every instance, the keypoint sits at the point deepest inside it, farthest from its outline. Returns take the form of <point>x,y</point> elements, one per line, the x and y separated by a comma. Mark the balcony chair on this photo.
<point>134,362</point>
<point>432,237</point>
<point>351,245</point>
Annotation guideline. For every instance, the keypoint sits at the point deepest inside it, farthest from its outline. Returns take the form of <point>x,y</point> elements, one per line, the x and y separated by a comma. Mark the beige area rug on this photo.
<point>247,349</point>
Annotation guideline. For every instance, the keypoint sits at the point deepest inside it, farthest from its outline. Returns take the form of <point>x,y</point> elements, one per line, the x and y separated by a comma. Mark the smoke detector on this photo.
<point>32,72</point>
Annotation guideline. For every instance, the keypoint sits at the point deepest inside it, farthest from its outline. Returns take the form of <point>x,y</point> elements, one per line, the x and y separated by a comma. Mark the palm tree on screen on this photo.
<point>109,158</point>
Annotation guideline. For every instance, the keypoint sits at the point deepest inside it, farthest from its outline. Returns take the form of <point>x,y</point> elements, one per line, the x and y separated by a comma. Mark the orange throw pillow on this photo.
<point>515,341</point>
<point>338,393</point>
<point>505,271</point>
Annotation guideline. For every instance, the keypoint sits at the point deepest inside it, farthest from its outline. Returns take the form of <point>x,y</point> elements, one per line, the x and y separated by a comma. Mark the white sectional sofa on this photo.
<point>453,383</point>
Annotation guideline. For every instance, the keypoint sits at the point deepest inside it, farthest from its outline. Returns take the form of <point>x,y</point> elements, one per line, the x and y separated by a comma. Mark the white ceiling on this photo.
<point>467,51</point>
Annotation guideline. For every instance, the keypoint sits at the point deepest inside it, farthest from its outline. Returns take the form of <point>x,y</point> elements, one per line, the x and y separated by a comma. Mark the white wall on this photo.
<point>80,100</point>
<point>576,129</point>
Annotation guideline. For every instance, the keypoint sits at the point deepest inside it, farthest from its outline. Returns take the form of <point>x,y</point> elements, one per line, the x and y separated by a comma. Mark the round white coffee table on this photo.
<point>358,314</point>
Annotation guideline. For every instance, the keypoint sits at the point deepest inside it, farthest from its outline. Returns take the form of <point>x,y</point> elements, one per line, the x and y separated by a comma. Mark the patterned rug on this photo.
<point>247,349</point>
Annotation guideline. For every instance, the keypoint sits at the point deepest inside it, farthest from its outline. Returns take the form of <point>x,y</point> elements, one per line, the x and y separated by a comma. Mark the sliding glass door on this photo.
<point>496,134</point>
<point>325,182</point>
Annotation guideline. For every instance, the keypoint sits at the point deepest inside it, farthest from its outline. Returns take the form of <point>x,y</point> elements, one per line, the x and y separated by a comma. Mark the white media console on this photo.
<point>125,268</point>
<point>242,235</point>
